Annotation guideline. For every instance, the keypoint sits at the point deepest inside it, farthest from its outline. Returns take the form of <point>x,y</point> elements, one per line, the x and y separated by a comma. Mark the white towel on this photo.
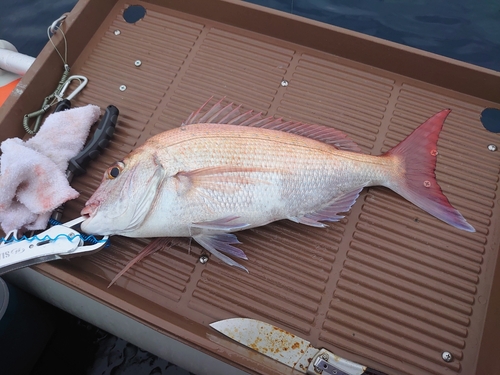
<point>33,173</point>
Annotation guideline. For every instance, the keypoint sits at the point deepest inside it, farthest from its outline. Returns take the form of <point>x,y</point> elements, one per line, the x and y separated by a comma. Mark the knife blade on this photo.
<point>288,348</point>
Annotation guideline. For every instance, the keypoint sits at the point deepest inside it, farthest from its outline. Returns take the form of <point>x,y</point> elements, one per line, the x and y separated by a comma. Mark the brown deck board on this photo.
<point>388,286</point>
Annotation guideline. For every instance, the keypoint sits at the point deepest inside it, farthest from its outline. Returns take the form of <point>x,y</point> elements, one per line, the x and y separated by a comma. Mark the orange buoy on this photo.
<point>13,65</point>
<point>6,89</point>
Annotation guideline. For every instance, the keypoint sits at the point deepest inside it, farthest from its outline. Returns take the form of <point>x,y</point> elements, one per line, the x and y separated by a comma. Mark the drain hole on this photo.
<point>490,117</point>
<point>134,13</point>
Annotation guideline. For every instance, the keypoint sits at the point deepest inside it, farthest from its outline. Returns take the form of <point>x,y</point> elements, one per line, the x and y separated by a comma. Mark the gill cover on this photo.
<point>145,193</point>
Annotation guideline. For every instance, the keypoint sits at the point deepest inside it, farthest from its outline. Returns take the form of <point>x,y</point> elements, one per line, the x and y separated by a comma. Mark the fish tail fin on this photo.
<point>416,179</point>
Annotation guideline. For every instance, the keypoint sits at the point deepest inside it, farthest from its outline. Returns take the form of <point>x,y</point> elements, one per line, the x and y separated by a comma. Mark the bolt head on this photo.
<point>203,259</point>
<point>284,83</point>
<point>117,32</point>
<point>492,147</point>
<point>447,356</point>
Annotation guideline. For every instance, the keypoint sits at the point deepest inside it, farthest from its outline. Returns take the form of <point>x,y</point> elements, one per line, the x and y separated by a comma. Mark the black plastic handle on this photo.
<point>100,140</point>
<point>62,105</point>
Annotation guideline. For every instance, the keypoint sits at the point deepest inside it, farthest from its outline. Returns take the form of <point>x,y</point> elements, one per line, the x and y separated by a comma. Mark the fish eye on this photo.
<point>114,171</point>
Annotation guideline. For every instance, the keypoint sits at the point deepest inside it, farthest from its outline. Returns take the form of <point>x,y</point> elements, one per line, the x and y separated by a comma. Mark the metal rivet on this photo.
<point>123,88</point>
<point>138,63</point>
<point>117,32</point>
<point>492,147</point>
<point>31,246</point>
<point>284,83</point>
<point>447,356</point>
<point>203,259</point>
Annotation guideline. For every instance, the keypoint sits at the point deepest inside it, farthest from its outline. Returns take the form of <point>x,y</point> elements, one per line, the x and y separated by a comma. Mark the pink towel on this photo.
<point>33,173</point>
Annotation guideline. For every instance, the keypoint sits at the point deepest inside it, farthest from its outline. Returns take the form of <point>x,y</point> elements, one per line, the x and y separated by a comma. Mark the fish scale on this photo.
<point>304,170</point>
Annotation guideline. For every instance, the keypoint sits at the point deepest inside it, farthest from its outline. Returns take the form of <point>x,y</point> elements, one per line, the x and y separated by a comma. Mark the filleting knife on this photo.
<point>288,348</point>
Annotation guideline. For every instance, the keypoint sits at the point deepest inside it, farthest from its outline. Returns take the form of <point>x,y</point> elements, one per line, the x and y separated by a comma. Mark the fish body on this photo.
<point>207,172</point>
<point>223,172</point>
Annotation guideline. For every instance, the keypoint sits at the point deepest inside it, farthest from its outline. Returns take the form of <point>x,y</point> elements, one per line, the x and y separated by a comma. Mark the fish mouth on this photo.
<point>89,211</point>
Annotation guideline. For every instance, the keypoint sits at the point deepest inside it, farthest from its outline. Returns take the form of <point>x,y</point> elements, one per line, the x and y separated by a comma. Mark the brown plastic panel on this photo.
<point>389,286</point>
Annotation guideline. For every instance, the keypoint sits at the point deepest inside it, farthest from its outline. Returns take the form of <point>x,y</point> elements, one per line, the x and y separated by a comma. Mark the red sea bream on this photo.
<point>224,171</point>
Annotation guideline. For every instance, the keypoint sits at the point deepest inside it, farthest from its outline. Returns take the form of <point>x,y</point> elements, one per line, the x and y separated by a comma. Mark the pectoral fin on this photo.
<point>221,178</point>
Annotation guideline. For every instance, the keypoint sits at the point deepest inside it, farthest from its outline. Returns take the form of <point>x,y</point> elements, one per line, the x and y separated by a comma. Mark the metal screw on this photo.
<point>434,152</point>
<point>123,88</point>
<point>138,63</point>
<point>117,32</point>
<point>427,184</point>
<point>203,259</point>
<point>72,234</point>
<point>447,356</point>
<point>324,356</point>
<point>492,147</point>
<point>284,83</point>
<point>31,246</point>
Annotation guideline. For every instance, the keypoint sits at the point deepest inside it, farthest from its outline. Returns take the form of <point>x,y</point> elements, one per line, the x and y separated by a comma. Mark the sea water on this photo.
<point>461,29</point>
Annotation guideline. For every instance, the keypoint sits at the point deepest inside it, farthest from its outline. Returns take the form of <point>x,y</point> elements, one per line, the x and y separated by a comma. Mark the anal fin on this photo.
<point>330,213</point>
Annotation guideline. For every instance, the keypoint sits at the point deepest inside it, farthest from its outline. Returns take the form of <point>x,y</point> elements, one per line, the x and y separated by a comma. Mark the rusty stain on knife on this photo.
<point>266,341</point>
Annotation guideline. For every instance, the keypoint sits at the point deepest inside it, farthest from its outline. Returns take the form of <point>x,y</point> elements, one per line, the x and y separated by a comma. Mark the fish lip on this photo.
<point>89,210</point>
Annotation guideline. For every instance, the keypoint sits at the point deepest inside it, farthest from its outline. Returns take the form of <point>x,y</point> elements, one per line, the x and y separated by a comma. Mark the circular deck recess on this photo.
<point>490,117</point>
<point>134,13</point>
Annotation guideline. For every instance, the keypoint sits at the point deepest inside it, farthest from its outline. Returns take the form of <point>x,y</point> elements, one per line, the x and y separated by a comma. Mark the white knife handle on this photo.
<point>327,363</point>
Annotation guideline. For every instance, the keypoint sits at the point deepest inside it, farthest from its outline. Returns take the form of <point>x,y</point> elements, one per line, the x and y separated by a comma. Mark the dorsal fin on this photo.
<point>232,115</point>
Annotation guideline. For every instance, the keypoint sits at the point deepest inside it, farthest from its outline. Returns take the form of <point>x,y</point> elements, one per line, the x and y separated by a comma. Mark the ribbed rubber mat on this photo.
<point>408,283</point>
<point>389,284</point>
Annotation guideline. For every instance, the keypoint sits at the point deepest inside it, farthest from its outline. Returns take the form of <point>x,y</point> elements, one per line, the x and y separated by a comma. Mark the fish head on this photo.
<point>125,197</point>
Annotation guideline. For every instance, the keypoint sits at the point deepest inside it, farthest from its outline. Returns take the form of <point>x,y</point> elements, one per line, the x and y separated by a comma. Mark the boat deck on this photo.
<point>388,286</point>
